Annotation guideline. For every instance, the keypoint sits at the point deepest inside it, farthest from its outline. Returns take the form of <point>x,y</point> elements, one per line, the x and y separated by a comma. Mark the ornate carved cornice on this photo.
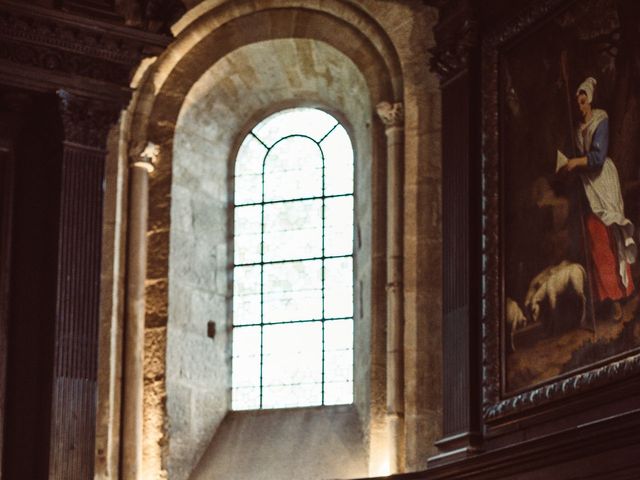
<point>457,34</point>
<point>53,59</point>
<point>391,114</point>
<point>87,121</point>
<point>451,55</point>
<point>74,46</point>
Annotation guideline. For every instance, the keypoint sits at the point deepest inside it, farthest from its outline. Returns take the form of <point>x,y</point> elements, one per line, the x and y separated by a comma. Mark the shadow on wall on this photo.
<point>312,443</point>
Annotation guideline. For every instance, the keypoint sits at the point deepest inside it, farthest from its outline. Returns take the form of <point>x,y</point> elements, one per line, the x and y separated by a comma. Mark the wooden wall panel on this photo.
<point>6,197</point>
<point>456,261</point>
<point>76,336</point>
<point>36,139</point>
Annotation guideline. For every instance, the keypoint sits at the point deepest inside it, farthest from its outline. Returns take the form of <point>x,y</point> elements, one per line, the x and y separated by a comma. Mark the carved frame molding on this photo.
<point>497,405</point>
<point>59,43</point>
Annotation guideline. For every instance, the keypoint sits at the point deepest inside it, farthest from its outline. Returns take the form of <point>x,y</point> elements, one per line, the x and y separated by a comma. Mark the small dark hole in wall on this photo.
<point>211,329</point>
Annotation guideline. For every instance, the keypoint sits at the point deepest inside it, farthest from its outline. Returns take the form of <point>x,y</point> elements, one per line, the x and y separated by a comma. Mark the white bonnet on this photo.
<point>588,86</point>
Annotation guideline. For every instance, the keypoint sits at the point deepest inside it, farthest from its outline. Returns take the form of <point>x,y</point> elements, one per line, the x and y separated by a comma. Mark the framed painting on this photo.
<point>561,191</point>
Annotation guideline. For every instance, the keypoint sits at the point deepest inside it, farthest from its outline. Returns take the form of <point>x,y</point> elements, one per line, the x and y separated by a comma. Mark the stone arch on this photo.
<point>155,114</point>
<point>241,22</point>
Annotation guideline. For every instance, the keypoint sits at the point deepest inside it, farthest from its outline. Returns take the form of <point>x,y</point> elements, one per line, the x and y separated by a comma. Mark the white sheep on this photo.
<point>557,282</point>
<point>515,319</point>
<point>538,280</point>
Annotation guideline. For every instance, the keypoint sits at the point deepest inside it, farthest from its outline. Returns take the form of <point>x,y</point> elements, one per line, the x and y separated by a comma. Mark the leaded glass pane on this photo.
<point>293,266</point>
<point>248,228</point>
<point>338,393</point>
<point>244,398</point>
<point>338,366</point>
<point>292,371</point>
<point>246,342</point>
<point>249,159</point>
<point>246,295</point>
<point>292,354</point>
<point>339,226</point>
<point>292,291</point>
<point>338,288</point>
<point>338,335</point>
<point>282,396</point>
<point>338,161</point>
<point>248,171</point>
<point>293,230</point>
<point>293,169</point>
<point>295,121</point>
<point>246,370</point>
<point>248,189</point>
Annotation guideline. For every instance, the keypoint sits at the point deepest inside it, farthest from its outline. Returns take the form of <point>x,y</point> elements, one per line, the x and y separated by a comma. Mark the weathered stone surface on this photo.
<point>156,303</point>
<point>180,404</point>
<point>157,242</point>
<point>239,87</point>
<point>291,443</point>
<point>154,407</point>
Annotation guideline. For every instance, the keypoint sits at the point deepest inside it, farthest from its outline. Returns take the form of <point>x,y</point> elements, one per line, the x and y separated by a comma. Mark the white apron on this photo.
<point>603,192</point>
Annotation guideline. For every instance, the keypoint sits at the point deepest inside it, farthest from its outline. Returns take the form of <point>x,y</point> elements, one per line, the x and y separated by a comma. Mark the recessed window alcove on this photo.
<point>219,122</point>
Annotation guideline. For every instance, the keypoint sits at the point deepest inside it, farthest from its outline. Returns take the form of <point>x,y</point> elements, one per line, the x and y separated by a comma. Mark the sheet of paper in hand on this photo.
<point>561,161</point>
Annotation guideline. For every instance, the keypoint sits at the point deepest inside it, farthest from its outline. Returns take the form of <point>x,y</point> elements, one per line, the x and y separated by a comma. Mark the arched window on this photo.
<point>293,263</point>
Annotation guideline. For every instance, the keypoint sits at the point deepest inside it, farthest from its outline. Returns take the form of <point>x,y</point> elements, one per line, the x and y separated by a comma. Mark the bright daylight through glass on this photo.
<point>293,263</point>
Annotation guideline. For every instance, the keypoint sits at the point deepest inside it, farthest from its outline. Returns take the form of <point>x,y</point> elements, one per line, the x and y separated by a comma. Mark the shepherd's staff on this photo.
<point>587,257</point>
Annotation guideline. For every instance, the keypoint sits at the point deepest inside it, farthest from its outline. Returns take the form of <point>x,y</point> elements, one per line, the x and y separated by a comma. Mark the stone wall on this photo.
<point>197,369</point>
<point>233,63</point>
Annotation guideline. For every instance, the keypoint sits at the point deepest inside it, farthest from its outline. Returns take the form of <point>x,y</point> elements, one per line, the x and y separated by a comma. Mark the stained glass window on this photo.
<point>293,263</point>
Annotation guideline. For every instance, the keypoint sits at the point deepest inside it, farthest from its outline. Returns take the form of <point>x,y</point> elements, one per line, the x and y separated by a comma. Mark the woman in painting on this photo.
<point>608,231</point>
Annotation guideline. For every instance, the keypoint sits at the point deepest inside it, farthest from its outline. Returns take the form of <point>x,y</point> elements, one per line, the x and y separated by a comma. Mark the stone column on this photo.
<point>86,125</point>
<point>392,116</point>
<point>133,415</point>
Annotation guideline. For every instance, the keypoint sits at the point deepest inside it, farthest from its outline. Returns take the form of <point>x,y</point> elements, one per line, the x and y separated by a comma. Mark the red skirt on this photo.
<point>605,278</point>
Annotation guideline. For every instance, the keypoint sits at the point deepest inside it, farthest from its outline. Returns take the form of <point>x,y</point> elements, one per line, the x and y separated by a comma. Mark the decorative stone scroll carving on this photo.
<point>148,157</point>
<point>87,121</point>
<point>453,49</point>
<point>452,55</point>
<point>391,114</point>
<point>74,39</point>
<point>84,48</point>
<point>52,59</point>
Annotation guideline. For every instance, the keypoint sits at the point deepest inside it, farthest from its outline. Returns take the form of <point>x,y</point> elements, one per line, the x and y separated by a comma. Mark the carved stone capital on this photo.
<point>391,114</point>
<point>454,47</point>
<point>87,121</point>
<point>148,158</point>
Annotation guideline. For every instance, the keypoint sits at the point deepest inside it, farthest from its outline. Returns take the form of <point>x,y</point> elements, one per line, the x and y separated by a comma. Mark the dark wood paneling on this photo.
<point>47,45</point>
<point>566,439</point>
<point>455,193</point>
<point>603,450</point>
<point>76,344</point>
<point>461,366</point>
<point>6,208</point>
<point>33,287</point>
